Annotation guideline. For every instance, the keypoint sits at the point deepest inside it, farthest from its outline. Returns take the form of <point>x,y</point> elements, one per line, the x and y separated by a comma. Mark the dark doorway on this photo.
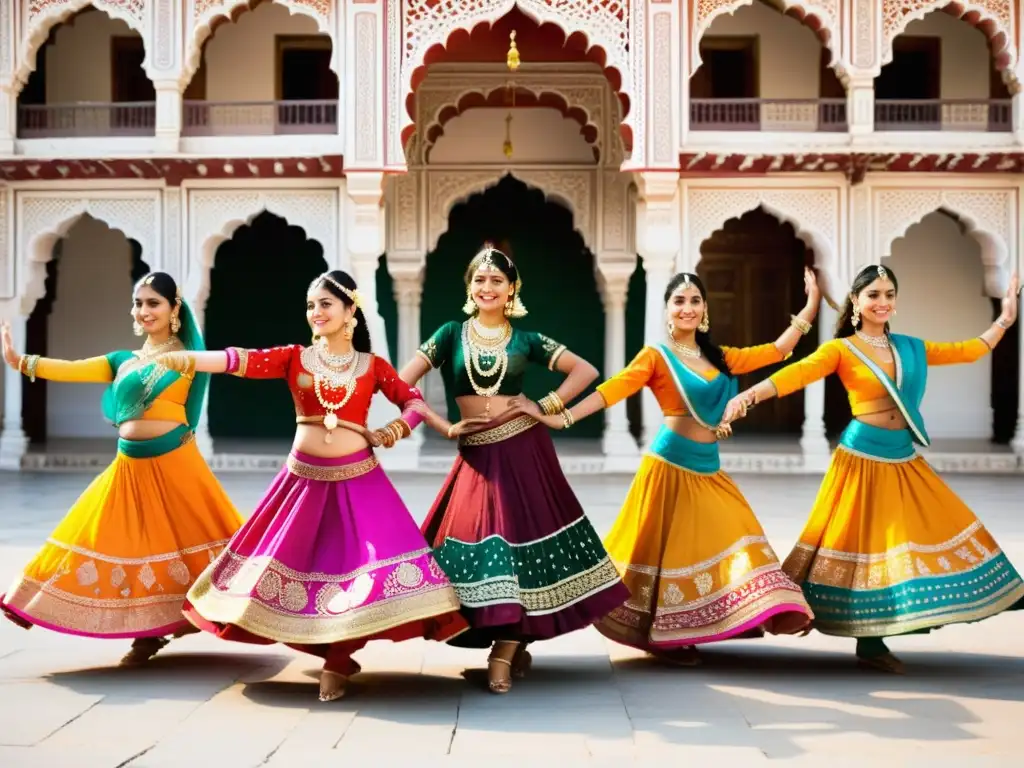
<point>559,285</point>
<point>304,74</point>
<point>753,271</point>
<point>728,70</point>
<point>258,299</point>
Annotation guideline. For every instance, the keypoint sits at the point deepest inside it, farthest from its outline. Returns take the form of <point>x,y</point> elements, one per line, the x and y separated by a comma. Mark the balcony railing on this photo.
<point>86,119</point>
<point>978,115</point>
<point>803,115</point>
<point>259,118</point>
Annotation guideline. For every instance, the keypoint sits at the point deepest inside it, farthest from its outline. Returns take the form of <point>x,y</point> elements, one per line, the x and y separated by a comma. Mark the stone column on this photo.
<point>860,106</point>
<point>168,116</point>
<point>9,87</point>
<point>8,117</point>
<point>1017,116</point>
<point>13,441</point>
<point>408,292</point>
<point>619,447</point>
<point>1018,439</point>
<point>813,442</point>
<point>658,242</point>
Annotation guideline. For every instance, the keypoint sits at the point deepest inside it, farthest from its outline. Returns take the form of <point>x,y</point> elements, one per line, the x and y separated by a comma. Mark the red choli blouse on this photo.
<point>374,374</point>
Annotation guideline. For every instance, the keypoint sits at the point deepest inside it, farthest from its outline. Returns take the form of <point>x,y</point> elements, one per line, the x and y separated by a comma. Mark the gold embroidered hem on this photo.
<point>541,600</point>
<point>331,474</point>
<point>283,626</point>
<point>500,433</point>
<point>45,605</point>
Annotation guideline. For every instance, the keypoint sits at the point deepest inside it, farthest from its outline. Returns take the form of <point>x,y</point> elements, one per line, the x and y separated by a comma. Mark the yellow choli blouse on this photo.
<point>865,391</point>
<point>649,369</point>
<point>169,405</point>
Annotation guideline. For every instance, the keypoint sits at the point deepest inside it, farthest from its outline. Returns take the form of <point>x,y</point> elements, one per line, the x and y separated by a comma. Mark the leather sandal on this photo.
<point>887,662</point>
<point>333,685</point>
<point>684,656</point>
<point>504,684</point>
<point>143,649</point>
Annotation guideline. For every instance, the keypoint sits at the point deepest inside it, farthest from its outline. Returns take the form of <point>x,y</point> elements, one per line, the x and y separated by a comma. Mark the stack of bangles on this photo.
<point>393,432</point>
<point>551,405</point>
<point>27,366</point>
<point>800,324</point>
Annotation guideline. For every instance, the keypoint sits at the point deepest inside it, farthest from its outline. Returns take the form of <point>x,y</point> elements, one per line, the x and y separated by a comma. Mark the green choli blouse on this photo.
<point>444,351</point>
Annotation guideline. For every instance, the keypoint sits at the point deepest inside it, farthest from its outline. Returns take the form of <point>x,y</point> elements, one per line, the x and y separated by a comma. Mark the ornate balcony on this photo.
<point>86,120</point>
<point>974,115</point>
<point>782,115</point>
<point>259,118</point>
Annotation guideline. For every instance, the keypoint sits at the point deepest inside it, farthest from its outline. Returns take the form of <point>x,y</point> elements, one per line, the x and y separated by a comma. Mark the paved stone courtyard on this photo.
<point>793,701</point>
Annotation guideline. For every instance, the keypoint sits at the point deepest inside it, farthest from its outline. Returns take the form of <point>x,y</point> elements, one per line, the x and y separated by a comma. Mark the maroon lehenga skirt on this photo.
<point>510,534</point>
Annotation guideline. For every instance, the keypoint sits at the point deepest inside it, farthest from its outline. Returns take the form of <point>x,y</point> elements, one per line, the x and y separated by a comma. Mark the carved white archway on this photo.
<point>415,26</point>
<point>813,213</point>
<point>215,215</point>
<point>45,218</point>
<point>203,14</point>
<point>989,216</point>
<point>572,189</point>
<point>822,17</point>
<point>994,18</point>
<point>37,26</point>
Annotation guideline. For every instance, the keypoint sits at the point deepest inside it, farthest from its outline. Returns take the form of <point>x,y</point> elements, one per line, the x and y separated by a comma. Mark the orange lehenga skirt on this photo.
<point>121,561</point>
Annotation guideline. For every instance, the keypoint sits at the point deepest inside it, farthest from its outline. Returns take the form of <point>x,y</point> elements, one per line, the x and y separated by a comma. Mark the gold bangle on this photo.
<point>30,367</point>
<point>21,364</point>
<point>800,324</point>
<point>567,419</point>
<point>547,405</point>
<point>556,401</point>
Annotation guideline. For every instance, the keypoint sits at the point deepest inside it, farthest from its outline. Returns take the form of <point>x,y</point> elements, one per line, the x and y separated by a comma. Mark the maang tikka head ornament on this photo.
<point>486,261</point>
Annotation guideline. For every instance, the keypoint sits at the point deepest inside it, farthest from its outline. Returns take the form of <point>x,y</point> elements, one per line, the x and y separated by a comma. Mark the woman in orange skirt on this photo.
<point>889,549</point>
<point>121,561</point>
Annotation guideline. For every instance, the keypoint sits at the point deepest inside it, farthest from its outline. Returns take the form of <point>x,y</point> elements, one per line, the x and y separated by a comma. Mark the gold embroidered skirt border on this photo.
<point>500,433</point>
<point>330,474</point>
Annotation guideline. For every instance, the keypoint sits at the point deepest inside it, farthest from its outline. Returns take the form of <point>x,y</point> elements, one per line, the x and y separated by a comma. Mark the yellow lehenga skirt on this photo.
<point>889,549</point>
<point>121,561</point>
<point>694,557</point>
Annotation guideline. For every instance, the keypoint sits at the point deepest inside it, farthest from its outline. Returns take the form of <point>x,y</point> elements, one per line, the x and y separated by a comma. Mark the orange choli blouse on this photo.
<point>866,393</point>
<point>373,374</point>
<point>649,369</point>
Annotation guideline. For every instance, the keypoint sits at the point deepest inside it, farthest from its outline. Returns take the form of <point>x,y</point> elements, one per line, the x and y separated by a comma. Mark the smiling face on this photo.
<point>151,310</point>
<point>490,289</point>
<point>877,302</point>
<point>326,313</point>
<point>685,308</point>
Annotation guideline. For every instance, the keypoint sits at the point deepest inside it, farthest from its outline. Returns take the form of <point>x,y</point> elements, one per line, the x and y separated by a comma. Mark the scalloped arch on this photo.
<point>820,19</point>
<point>1004,54</point>
<point>615,51</point>
<point>227,11</point>
<point>50,17</point>
<point>536,97</point>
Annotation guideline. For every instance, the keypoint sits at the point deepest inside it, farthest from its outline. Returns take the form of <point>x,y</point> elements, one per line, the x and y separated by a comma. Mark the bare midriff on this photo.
<point>474,405</point>
<point>309,439</point>
<point>884,414</point>
<point>145,429</point>
<point>687,426</point>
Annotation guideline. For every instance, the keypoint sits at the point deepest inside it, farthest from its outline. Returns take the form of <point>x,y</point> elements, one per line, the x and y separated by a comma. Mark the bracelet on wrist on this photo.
<point>567,419</point>
<point>800,324</point>
<point>551,404</point>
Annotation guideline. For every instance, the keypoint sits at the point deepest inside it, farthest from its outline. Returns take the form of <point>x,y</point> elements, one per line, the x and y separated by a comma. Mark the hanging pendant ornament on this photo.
<point>512,61</point>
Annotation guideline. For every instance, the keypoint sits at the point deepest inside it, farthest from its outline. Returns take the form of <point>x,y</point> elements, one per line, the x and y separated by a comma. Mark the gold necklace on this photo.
<point>878,342</point>
<point>693,353</point>
<point>338,380</point>
<point>472,357</point>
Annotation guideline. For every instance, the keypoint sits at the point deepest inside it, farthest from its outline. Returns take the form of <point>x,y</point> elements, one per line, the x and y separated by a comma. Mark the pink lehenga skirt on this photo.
<point>330,555</point>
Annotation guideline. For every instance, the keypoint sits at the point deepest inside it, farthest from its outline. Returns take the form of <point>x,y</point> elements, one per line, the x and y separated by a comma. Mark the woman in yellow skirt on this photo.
<point>120,562</point>
<point>889,549</point>
<point>690,549</point>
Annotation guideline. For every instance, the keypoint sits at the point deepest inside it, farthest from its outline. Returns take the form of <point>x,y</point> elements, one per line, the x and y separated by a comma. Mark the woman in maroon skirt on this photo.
<point>506,527</point>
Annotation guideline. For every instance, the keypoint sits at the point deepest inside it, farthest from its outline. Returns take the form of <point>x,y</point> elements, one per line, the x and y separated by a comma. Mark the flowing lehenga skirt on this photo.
<point>330,555</point>
<point>889,549</point>
<point>509,532</point>
<point>121,561</point>
<point>696,560</point>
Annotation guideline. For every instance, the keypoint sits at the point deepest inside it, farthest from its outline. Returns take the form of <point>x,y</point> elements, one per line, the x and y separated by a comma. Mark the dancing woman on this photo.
<point>120,562</point>
<point>506,527</point>
<point>331,558</point>
<point>691,551</point>
<point>889,549</point>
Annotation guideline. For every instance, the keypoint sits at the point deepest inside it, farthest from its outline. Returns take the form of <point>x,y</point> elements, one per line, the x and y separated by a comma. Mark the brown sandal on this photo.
<point>887,662</point>
<point>684,656</point>
<point>144,649</point>
<point>501,685</point>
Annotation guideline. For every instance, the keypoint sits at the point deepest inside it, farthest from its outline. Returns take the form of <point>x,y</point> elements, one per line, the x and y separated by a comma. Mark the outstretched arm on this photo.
<point>801,323</point>
<point>269,363</point>
<point>93,370</point>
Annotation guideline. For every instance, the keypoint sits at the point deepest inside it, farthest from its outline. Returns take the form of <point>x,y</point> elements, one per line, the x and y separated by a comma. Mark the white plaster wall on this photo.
<point>539,135</point>
<point>78,64</point>
<point>241,58</point>
<point>966,60</point>
<point>91,316</point>
<point>942,299</point>
<point>790,53</point>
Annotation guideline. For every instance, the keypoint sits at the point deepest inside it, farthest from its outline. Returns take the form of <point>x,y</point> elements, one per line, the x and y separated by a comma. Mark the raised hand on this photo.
<point>811,287</point>
<point>11,356</point>
<point>1010,301</point>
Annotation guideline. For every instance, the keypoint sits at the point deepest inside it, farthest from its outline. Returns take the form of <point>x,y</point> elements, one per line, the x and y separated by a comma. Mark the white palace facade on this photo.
<point>244,147</point>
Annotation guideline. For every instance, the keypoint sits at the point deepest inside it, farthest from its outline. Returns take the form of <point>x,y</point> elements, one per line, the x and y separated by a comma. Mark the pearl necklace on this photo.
<point>878,342</point>
<point>313,360</point>
<point>473,352</point>
<point>152,350</point>
<point>487,332</point>
<point>332,360</point>
<point>693,353</point>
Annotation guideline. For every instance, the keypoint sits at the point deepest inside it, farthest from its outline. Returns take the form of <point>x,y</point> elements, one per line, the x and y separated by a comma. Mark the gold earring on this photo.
<point>137,328</point>
<point>855,317</point>
<point>175,324</point>
<point>671,330</point>
<point>470,306</point>
<point>350,327</point>
<point>316,338</point>
<point>705,322</point>
<point>508,306</point>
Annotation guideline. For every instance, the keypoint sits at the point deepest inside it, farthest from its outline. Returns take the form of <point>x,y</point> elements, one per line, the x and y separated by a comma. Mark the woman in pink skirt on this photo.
<point>331,558</point>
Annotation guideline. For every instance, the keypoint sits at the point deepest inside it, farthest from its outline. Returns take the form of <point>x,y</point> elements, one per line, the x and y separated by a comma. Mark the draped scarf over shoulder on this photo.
<point>705,398</point>
<point>139,380</point>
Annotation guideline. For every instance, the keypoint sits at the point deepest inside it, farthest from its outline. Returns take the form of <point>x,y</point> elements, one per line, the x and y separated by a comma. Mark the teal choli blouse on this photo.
<point>444,351</point>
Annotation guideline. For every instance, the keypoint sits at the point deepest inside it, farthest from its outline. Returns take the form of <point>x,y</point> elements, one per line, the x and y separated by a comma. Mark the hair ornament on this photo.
<point>326,278</point>
<point>882,273</point>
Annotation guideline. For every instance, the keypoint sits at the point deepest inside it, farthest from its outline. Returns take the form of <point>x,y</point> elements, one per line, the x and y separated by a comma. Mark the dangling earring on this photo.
<point>316,338</point>
<point>175,324</point>
<point>350,328</point>
<point>137,328</point>
<point>508,307</point>
<point>855,317</point>
<point>705,322</point>
<point>470,306</point>
<point>671,330</point>
<point>514,307</point>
